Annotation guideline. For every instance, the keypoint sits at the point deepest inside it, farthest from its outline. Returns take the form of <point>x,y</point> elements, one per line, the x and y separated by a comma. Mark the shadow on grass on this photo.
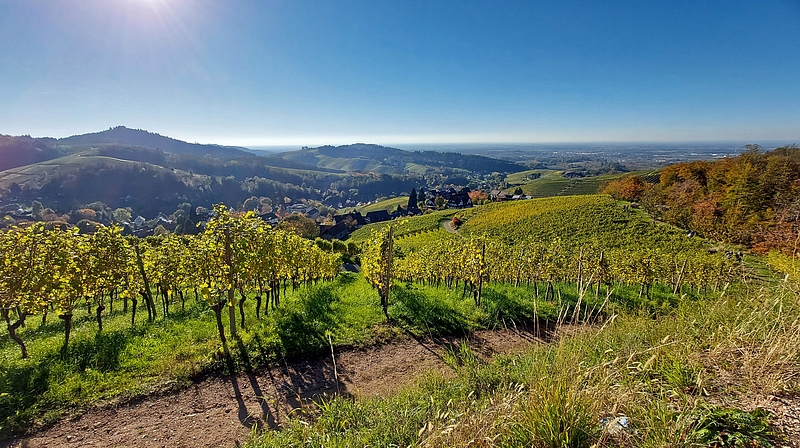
<point>26,388</point>
<point>656,300</point>
<point>346,278</point>
<point>55,326</point>
<point>503,309</point>
<point>20,389</point>
<point>302,327</point>
<point>425,314</point>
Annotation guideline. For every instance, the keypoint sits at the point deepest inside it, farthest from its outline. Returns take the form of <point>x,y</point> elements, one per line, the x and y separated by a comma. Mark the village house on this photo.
<point>378,216</point>
<point>356,217</point>
<point>338,231</point>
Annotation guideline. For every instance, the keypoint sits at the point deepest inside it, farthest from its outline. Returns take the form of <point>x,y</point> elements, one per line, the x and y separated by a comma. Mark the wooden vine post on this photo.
<point>228,258</point>
<point>146,294</point>
<point>480,274</point>
<point>386,281</point>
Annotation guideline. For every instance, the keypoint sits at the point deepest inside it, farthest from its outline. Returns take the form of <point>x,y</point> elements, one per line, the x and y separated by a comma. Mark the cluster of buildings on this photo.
<point>501,196</point>
<point>15,211</point>
<point>453,198</point>
<point>346,223</point>
<point>424,200</point>
<point>432,199</point>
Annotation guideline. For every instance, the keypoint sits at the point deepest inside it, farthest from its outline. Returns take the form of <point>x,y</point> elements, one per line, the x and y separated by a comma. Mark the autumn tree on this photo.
<point>745,199</point>
<point>300,225</point>
<point>628,188</point>
<point>478,196</point>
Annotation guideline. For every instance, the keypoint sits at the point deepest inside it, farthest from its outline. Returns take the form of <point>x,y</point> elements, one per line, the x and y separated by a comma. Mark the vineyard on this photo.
<point>534,264</point>
<point>683,378</point>
<point>585,241</point>
<point>552,183</point>
<point>59,271</point>
<point>417,224</point>
<point>107,278</point>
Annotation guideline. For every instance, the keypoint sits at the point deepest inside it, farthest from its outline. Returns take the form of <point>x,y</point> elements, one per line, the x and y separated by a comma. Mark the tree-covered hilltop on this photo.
<point>138,137</point>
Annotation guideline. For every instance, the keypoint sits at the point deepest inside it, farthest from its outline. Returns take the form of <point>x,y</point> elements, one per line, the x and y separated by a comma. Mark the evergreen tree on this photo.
<point>412,200</point>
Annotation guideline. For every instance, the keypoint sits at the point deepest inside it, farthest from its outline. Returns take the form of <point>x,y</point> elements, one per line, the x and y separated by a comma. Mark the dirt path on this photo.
<point>220,410</point>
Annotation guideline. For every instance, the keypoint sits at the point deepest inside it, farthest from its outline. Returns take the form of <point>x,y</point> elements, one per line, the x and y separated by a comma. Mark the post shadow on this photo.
<point>267,415</point>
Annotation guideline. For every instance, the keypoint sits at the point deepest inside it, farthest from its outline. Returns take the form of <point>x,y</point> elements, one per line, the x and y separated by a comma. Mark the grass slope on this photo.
<point>406,226</point>
<point>575,219</point>
<point>39,172</point>
<point>387,204</point>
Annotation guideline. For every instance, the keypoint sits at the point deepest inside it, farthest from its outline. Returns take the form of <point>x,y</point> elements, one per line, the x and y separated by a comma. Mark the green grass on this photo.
<point>526,176</point>
<point>388,205</point>
<point>125,361</point>
<point>636,381</point>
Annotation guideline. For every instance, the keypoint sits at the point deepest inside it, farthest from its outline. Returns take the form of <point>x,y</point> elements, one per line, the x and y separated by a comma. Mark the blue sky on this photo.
<point>294,72</point>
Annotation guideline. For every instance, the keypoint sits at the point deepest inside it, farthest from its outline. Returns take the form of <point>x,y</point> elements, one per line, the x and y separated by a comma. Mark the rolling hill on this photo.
<point>160,172</point>
<point>362,157</point>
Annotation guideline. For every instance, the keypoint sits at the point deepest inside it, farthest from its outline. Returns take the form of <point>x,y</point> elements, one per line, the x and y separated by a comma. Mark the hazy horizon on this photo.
<point>416,144</point>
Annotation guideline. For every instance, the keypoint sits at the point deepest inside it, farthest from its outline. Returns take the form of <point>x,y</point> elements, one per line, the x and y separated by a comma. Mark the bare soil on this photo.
<point>220,411</point>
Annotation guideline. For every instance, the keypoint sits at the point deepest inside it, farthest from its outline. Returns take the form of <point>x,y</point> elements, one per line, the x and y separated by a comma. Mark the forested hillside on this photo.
<point>137,137</point>
<point>19,151</point>
<point>752,199</point>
